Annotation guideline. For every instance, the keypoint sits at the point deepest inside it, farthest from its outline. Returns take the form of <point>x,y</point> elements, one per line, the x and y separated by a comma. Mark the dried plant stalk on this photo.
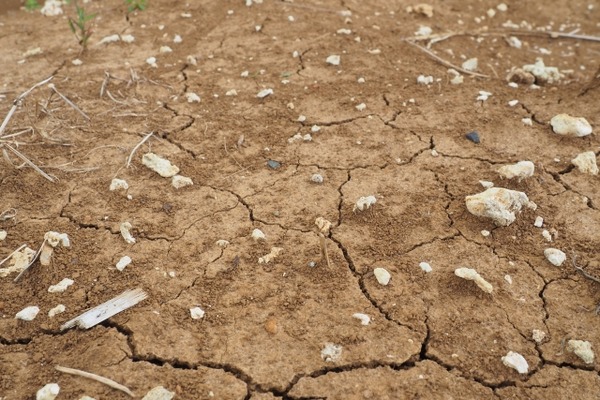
<point>324,252</point>
<point>97,378</point>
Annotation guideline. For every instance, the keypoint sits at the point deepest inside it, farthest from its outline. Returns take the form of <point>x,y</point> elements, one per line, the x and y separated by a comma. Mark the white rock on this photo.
<point>423,31</point>
<point>55,238</point>
<point>555,256</point>
<point>547,235</point>
<point>159,393</point>
<point>483,95</point>
<point>264,93</point>
<point>165,49</point>
<point>110,39</point>
<point>502,7</point>
<point>127,38</point>
<point>192,97</point>
<point>125,228</point>
<point>316,178</point>
<point>179,181</point>
<point>508,279</point>
<point>331,352</point>
<point>245,74</point>
<point>485,233</point>
<point>191,60</point>
<point>538,335</point>
<point>344,31</point>
<point>539,222</point>
<point>582,349</point>
<point>564,124</point>
<point>28,313</point>
<point>382,276</point>
<point>361,80</point>
<point>513,103</point>
<point>472,275</point>
<point>315,128</point>
<point>527,121</point>
<point>425,267</point>
<point>84,397</point>
<point>3,235</point>
<point>117,184</point>
<point>159,165</point>
<point>59,309</point>
<point>516,361</point>
<point>52,8</point>
<point>486,184</point>
<point>471,64</point>
<point>586,163</point>
<point>196,313</point>
<point>61,286</point>
<point>333,59</point>
<point>364,203</point>
<point>301,118</point>
<point>424,80</point>
<point>48,392</point>
<point>499,204</point>
<point>363,318</point>
<point>520,170</point>
<point>361,107</point>
<point>542,73</point>
<point>18,262</point>
<point>222,243</point>
<point>151,61</point>
<point>123,262</point>
<point>514,41</point>
<point>231,92</point>
<point>275,251</point>
<point>177,39</point>
<point>257,234</point>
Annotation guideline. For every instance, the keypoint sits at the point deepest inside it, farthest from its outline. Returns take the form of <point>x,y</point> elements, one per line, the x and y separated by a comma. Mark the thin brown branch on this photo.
<point>444,62</point>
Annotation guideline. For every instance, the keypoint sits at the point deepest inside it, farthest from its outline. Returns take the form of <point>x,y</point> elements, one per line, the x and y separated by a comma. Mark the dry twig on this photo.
<point>444,62</point>
<point>97,378</point>
<point>137,146</point>
<point>35,257</point>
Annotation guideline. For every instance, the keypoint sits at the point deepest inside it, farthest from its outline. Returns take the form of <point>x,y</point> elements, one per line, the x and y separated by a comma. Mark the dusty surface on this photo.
<point>431,335</point>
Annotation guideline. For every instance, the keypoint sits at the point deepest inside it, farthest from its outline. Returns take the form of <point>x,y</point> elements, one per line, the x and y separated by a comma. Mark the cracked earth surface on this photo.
<point>431,335</point>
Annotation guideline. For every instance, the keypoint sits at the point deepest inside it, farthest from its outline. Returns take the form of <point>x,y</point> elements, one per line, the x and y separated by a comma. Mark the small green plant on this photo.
<point>32,5</point>
<point>133,5</point>
<point>80,26</point>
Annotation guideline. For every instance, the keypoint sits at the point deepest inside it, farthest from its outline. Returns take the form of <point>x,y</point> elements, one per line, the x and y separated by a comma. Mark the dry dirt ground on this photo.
<point>431,335</point>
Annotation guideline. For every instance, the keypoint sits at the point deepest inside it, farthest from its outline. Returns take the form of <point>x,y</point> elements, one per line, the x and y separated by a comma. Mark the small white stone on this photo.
<point>59,309</point>
<point>191,60</point>
<point>564,124</point>
<point>520,170</point>
<point>196,313</point>
<point>125,232</point>
<point>127,38</point>
<point>3,235</point>
<point>264,93</point>
<point>527,121</point>
<point>192,97</point>
<point>486,184</point>
<point>28,313</point>
<point>516,361</point>
<point>151,60</point>
<point>499,204</point>
<point>582,349</point>
<point>179,181</point>
<point>538,335</point>
<point>364,318</point>
<point>483,95</point>
<point>177,39</point>
<point>301,118</point>
<point>316,178</point>
<point>555,256</point>
<point>513,85</point>
<point>267,258</point>
<point>539,222</point>
<point>61,286</point>
<point>333,59</point>
<point>472,275</point>
<point>257,234</point>
<point>434,153</point>
<point>514,41</point>
<point>423,31</point>
<point>48,392</point>
<point>485,233</point>
<point>508,279</point>
<point>231,92</point>
<point>331,352</point>
<point>315,128</point>
<point>471,64</point>
<point>244,74</point>
<point>425,267</point>
<point>364,203</point>
<point>382,276</point>
<point>123,262</point>
<point>361,80</point>
<point>159,393</point>
<point>159,165</point>
<point>76,61</point>
<point>165,49</point>
<point>502,7</point>
<point>586,163</point>
<point>222,243</point>
<point>361,107</point>
<point>513,103</point>
<point>424,80</point>
<point>84,397</point>
<point>547,235</point>
<point>117,184</point>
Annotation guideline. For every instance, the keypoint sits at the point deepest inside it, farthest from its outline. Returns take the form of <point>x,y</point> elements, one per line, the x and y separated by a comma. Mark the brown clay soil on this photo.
<point>431,335</point>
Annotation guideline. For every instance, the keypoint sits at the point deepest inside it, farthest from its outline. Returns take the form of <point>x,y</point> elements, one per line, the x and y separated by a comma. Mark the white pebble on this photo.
<point>582,349</point>
<point>301,118</point>
<point>547,235</point>
<point>424,80</point>
<point>425,267</point>
<point>125,232</point>
<point>48,392</point>
<point>361,80</point>
<point>382,276</point>
<point>486,184</point>
<point>364,318</point>
<point>564,124</point>
<point>364,203</point>
<point>117,184</point>
<point>3,235</point>
<point>423,31</point>
<point>151,61</point>
<point>315,128</point>
<point>123,262</point>
<point>59,309</point>
<point>520,170</point>
<point>257,234</point>
<point>317,178</point>
<point>264,93</point>
<point>361,107</point>
<point>196,313</point>
<point>177,39</point>
<point>28,313</point>
<point>471,64</point>
<point>586,163</point>
<point>179,181</point>
<point>538,335</point>
<point>244,74</point>
<point>331,352</point>
<point>539,222</point>
<point>333,59</point>
<point>555,256</point>
<point>222,243</point>
<point>502,7</point>
<point>77,61</point>
<point>472,275</point>
<point>61,286</point>
<point>231,92</point>
<point>513,103</point>
<point>516,361</point>
<point>527,121</point>
<point>159,393</point>
<point>513,85</point>
<point>160,165</point>
<point>508,279</point>
<point>485,233</point>
<point>165,49</point>
<point>192,97</point>
<point>483,95</point>
<point>499,204</point>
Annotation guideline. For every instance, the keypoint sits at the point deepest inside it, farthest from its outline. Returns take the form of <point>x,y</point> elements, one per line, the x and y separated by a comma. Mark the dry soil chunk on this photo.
<point>159,393</point>
<point>586,163</point>
<point>472,275</point>
<point>159,165</point>
<point>582,349</point>
<point>520,170</point>
<point>564,124</point>
<point>499,204</point>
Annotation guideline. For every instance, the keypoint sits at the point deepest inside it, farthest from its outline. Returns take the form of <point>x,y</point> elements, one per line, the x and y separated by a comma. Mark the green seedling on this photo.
<point>32,5</point>
<point>80,26</point>
<point>133,5</point>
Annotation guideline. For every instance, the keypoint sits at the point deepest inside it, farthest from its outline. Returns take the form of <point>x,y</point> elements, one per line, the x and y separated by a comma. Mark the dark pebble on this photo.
<point>273,164</point>
<point>473,137</point>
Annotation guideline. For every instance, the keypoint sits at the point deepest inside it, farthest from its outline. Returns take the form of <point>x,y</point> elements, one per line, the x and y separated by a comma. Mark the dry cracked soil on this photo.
<point>266,325</point>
